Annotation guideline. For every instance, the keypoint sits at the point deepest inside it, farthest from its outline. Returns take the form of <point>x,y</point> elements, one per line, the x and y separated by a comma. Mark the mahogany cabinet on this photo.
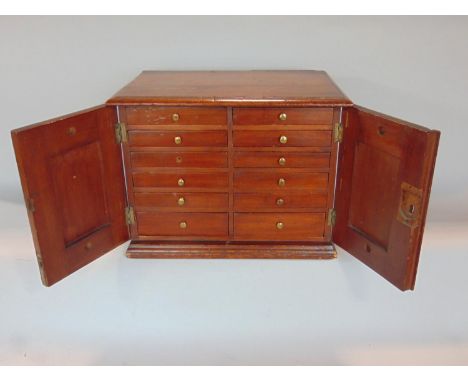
<point>254,164</point>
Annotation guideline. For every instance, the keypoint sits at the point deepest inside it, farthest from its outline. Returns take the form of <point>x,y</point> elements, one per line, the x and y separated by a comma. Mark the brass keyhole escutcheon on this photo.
<point>281,182</point>
<point>183,225</point>
<point>282,161</point>
<point>71,131</point>
<point>175,117</point>
<point>279,202</point>
<point>178,140</point>
<point>283,117</point>
<point>283,139</point>
<point>181,182</point>
<point>181,201</point>
<point>280,225</point>
<point>178,159</point>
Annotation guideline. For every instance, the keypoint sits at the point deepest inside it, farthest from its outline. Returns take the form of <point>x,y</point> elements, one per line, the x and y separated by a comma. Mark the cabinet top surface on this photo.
<point>231,88</point>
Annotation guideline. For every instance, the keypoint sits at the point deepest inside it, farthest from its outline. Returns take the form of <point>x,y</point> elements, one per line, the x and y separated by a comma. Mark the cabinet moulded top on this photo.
<point>230,88</point>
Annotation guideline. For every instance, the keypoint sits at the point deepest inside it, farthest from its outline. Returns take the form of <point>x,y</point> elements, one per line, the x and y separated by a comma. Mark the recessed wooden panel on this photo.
<point>282,116</point>
<point>245,202</point>
<point>190,179</point>
<point>72,178</point>
<point>173,116</point>
<point>383,161</point>
<point>139,138</point>
<point>178,159</point>
<point>273,138</point>
<point>373,193</point>
<point>248,180</point>
<point>170,224</point>
<point>281,159</point>
<point>78,182</point>
<point>264,226</point>
<point>206,201</point>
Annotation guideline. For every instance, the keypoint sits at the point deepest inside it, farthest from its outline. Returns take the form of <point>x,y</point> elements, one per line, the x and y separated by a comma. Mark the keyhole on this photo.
<point>411,209</point>
<point>368,248</point>
<point>381,130</point>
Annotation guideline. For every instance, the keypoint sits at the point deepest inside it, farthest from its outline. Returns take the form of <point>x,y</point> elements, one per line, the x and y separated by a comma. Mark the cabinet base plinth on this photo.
<point>166,250</point>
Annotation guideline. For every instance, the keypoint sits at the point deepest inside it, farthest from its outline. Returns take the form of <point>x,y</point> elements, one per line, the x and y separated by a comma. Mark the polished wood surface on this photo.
<point>379,155</point>
<point>211,250</point>
<point>71,173</point>
<point>228,88</point>
<point>228,165</point>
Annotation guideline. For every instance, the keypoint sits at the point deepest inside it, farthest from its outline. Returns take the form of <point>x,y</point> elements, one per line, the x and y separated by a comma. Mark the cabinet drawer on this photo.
<point>181,180</point>
<point>283,116</point>
<point>154,115</point>
<point>182,224</point>
<point>246,202</point>
<point>178,159</point>
<point>286,138</point>
<point>177,138</point>
<point>281,159</point>
<point>182,200</point>
<point>279,226</point>
<point>247,180</point>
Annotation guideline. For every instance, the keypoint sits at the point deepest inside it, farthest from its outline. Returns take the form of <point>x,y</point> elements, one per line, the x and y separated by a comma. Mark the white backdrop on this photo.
<point>230,312</point>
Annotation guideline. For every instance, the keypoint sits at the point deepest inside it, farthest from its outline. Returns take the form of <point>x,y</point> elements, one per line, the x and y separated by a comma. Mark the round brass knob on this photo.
<point>283,116</point>
<point>280,225</point>
<point>279,202</point>
<point>281,182</point>
<point>178,140</point>
<point>282,161</point>
<point>175,117</point>
<point>283,139</point>
<point>181,201</point>
<point>181,182</point>
<point>183,225</point>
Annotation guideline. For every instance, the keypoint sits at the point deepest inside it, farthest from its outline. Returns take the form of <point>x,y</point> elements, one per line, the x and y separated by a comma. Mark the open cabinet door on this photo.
<point>384,179</point>
<point>72,178</point>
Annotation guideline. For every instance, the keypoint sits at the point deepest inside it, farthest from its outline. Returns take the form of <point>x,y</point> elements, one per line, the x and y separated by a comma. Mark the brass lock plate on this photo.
<point>410,205</point>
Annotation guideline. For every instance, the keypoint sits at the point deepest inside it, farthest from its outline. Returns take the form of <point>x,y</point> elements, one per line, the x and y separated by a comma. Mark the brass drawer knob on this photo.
<point>175,117</point>
<point>178,140</point>
<point>183,225</point>
<point>283,116</point>
<point>181,201</point>
<point>283,139</point>
<point>181,182</point>
<point>280,225</point>
<point>281,182</point>
<point>279,202</point>
<point>282,161</point>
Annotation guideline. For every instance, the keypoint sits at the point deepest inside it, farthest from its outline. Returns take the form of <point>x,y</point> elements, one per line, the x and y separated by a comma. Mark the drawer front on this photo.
<point>285,116</point>
<point>153,115</point>
<point>182,200</point>
<point>275,181</point>
<point>286,138</point>
<point>279,226</point>
<point>181,180</point>
<point>182,224</point>
<point>246,202</point>
<point>177,138</point>
<point>282,159</point>
<point>179,159</point>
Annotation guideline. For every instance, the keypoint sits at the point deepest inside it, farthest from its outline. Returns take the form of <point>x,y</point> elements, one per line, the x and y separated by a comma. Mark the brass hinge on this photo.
<point>129,215</point>
<point>120,132</point>
<point>331,217</point>
<point>338,132</point>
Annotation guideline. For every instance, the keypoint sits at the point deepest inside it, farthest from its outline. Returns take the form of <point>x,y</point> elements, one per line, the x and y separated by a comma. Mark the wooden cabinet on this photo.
<point>258,164</point>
